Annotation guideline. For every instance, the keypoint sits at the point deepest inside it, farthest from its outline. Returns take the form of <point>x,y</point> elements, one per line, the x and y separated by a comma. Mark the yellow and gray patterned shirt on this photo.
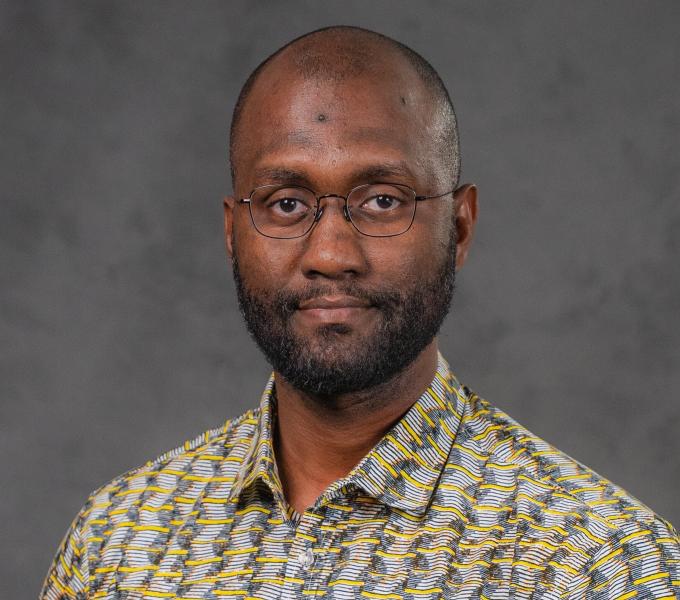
<point>456,501</point>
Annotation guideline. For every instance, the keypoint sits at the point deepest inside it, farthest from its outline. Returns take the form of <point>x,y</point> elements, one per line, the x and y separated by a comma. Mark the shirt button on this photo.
<point>306,558</point>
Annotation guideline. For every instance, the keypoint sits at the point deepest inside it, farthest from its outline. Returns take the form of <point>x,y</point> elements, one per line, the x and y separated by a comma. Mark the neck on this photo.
<point>318,441</point>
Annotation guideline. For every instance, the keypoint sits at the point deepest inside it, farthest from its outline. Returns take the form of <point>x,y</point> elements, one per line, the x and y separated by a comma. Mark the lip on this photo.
<point>327,310</point>
<point>333,303</point>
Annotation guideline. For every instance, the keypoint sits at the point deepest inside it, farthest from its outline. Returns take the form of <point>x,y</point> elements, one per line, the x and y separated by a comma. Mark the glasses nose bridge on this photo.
<point>319,208</point>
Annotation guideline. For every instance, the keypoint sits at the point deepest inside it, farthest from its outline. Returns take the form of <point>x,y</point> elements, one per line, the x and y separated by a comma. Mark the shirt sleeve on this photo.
<point>642,563</point>
<point>67,576</point>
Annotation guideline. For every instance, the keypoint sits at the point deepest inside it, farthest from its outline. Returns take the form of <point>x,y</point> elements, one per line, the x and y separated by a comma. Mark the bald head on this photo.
<point>341,54</point>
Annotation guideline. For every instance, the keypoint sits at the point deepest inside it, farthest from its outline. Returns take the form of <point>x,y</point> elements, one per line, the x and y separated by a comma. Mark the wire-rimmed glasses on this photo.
<point>375,209</point>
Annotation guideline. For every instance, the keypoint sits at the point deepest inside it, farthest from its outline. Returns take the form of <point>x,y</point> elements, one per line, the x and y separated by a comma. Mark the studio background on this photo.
<point>120,331</point>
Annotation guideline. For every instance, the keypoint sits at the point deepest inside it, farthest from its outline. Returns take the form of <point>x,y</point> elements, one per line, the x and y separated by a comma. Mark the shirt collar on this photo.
<point>258,462</point>
<point>401,471</point>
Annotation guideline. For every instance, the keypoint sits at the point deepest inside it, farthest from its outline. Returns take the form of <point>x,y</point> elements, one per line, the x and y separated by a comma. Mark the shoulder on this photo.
<point>540,472</point>
<point>149,498</point>
<point>215,453</point>
<point>195,458</point>
<point>562,523</point>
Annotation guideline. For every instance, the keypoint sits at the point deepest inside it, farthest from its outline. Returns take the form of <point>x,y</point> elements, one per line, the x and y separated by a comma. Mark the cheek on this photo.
<point>263,262</point>
<point>427,243</point>
<point>437,234</point>
<point>402,260</point>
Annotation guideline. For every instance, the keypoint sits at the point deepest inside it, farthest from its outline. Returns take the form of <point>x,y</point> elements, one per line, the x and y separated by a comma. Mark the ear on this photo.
<point>466,218</point>
<point>229,202</point>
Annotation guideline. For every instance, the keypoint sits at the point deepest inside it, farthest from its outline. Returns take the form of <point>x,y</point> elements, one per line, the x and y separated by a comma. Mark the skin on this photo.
<point>331,136</point>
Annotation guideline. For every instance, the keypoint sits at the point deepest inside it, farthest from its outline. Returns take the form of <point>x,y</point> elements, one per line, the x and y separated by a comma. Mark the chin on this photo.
<point>335,343</point>
<point>334,331</point>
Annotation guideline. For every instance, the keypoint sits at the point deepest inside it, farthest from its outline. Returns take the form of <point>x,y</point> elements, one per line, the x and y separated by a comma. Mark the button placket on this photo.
<point>301,557</point>
<point>325,531</point>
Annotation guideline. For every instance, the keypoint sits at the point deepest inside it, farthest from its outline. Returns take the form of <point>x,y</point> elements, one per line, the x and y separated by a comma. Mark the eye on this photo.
<point>381,203</point>
<point>288,203</point>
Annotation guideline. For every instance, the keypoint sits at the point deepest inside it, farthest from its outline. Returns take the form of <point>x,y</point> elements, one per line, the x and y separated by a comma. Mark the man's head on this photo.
<point>336,54</point>
<point>336,311</point>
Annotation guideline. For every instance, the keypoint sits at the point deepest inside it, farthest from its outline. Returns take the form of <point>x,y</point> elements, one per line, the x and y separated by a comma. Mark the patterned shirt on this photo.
<point>456,501</point>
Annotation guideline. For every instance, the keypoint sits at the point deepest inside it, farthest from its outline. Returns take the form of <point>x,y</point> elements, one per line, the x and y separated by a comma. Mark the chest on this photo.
<point>252,551</point>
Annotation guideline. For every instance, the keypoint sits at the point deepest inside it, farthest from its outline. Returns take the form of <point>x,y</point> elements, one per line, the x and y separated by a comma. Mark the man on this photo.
<point>368,471</point>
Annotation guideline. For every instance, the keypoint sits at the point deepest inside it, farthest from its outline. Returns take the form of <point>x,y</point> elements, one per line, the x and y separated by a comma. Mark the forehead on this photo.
<point>291,119</point>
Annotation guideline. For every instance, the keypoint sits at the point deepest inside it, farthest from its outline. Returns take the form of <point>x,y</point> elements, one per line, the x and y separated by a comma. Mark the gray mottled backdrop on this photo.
<point>119,331</point>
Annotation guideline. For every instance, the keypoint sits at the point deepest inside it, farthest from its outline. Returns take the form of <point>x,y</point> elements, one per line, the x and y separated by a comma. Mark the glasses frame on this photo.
<point>318,213</point>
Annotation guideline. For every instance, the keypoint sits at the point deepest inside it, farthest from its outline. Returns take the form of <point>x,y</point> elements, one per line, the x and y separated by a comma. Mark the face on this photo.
<point>335,311</point>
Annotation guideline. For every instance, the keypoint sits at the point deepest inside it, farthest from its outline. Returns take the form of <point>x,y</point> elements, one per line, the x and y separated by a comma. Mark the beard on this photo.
<point>332,361</point>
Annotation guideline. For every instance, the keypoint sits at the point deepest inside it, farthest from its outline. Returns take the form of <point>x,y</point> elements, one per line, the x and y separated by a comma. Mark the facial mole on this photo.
<point>321,117</point>
<point>403,100</point>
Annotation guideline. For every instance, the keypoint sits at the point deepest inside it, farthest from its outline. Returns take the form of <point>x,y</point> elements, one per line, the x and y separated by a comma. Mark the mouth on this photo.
<point>334,309</point>
<point>333,302</point>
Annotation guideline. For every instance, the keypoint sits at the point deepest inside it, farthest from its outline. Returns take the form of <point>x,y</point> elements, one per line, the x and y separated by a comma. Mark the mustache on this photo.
<point>288,301</point>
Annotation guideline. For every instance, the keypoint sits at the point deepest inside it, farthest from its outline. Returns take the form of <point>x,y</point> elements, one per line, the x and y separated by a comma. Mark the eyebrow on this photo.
<point>383,170</point>
<point>368,174</point>
<point>279,175</point>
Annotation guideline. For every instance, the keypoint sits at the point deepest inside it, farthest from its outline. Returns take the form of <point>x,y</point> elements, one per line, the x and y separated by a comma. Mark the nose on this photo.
<point>333,248</point>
